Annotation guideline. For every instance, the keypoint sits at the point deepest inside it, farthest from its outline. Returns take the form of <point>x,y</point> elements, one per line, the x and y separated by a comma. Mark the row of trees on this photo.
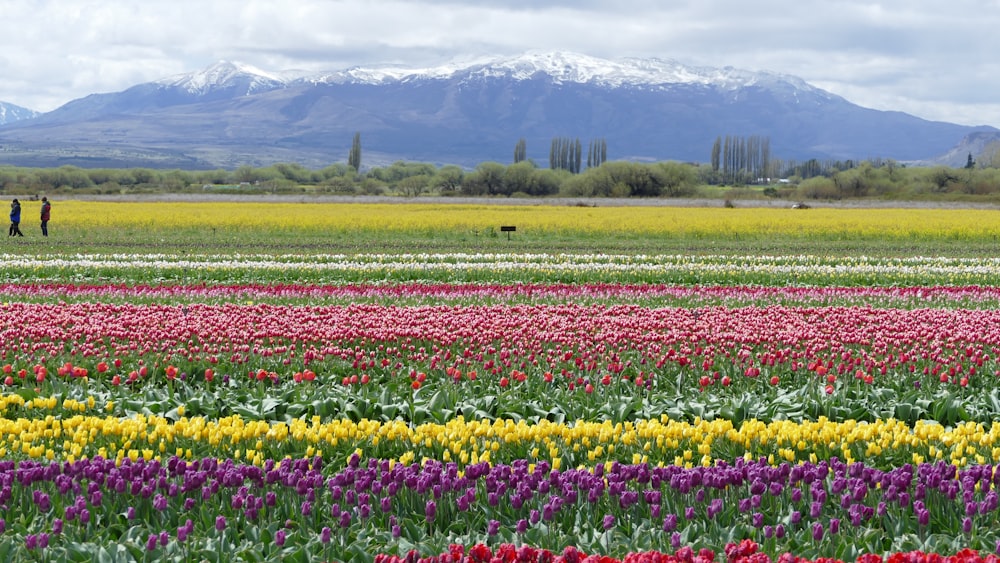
<point>742,160</point>
<point>735,161</point>
<point>566,153</point>
<point>525,178</point>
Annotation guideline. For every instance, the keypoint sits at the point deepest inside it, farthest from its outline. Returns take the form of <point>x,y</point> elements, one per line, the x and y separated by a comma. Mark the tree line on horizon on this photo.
<point>737,167</point>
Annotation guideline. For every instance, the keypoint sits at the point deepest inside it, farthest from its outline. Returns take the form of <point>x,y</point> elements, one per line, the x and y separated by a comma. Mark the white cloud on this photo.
<point>925,57</point>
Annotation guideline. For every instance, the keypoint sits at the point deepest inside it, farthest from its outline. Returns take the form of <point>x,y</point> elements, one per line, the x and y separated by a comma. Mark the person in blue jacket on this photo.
<point>15,219</point>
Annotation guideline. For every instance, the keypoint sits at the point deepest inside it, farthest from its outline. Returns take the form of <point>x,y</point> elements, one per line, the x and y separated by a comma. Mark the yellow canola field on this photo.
<point>661,441</point>
<point>638,220</point>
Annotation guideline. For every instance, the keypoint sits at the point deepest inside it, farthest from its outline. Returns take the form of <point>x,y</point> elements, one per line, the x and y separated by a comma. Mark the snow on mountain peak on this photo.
<point>560,66</point>
<point>564,66</point>
<point>10,113</point>
<point>224,74</point>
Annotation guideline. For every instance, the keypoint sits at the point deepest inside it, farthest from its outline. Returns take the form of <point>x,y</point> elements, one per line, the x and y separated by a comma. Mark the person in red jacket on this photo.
<point>46,211</point>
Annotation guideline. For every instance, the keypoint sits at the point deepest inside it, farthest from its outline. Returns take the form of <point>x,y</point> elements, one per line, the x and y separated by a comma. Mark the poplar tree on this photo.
<point>354,157</point>
<point>597,153</point>
<point>520,151</point>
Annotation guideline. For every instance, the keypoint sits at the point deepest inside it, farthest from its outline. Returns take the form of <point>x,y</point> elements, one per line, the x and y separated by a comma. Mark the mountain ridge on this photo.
<point>229,114</point>
<point>10,113</point>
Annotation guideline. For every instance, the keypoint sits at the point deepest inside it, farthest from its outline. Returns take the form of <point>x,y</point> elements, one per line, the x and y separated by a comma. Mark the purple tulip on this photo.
<point>834,526</point>
<point>129,513</point>
<point>493,527</point>
<point>57,526</point>
<point>324,535</point>
<point>817,530</point>
<point>609,522</point>
<point>43,540</point>
<point>220,523</point>
<point>522,526</point>
<point>430,510</point>
<point>904,500</point>
<point>967,525</point>
<point>714,508</point>
<point>279,538</point>
<point>151,542</point>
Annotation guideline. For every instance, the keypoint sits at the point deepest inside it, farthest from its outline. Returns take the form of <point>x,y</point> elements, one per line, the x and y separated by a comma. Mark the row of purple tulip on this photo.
<point>783,503</point>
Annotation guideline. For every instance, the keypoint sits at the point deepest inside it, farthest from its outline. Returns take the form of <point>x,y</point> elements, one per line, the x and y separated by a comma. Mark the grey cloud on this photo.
<point>923,56</point>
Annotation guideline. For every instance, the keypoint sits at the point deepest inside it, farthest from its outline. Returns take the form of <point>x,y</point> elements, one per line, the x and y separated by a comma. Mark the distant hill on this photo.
<point>9,113</point>
<point>229,115</point>
<point>982,145</point>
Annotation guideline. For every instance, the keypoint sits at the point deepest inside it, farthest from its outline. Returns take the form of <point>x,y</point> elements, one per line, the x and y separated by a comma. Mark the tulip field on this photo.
<point>278,400</point>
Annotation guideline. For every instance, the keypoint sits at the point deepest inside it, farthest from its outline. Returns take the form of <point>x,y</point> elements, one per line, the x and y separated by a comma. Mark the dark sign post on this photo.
<point>507,229</point>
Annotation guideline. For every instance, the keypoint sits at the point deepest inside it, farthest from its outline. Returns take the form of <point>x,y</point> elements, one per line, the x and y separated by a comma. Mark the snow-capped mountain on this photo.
<point>9,113</point>
<point>231,114</point>
<point>226,75</point>
<point>563,67</point>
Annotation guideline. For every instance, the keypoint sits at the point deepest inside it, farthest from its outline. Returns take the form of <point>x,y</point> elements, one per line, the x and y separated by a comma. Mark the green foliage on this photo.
<point>354,156</point>
<point>813,179</point>
<point>487,179</point>
<point>566,154</point>
<point>520,151</point>
<point>448,180</point>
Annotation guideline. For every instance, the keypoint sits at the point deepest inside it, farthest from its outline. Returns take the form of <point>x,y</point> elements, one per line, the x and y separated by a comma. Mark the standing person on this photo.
<point>15,219</point>
<point>46,211</point>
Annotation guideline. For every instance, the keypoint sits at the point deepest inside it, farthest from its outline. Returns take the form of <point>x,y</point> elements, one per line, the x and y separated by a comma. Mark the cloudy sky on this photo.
<point>937,60</point>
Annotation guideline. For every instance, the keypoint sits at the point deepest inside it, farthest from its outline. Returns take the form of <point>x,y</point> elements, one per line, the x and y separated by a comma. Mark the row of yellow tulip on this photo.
<point>55,434</point>
<point>332,217</point>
